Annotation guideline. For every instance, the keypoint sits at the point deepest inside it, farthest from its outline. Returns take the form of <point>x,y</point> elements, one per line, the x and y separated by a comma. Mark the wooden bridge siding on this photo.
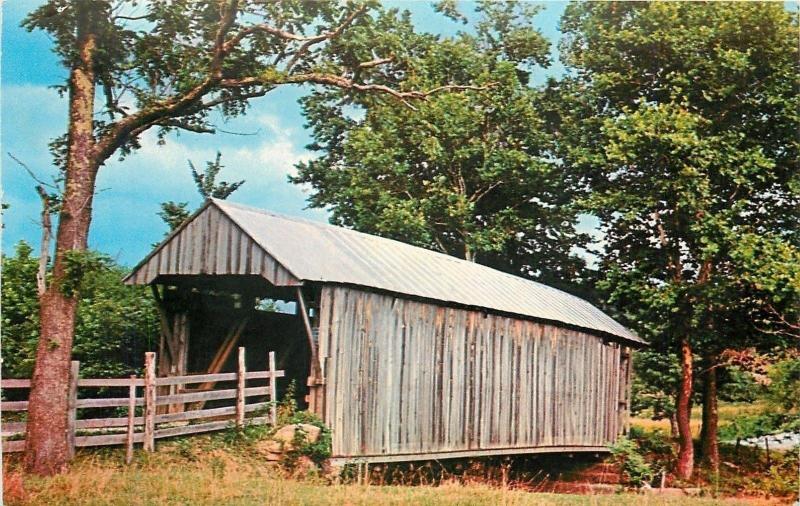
<point>408,377</point>
<point>213,244</point>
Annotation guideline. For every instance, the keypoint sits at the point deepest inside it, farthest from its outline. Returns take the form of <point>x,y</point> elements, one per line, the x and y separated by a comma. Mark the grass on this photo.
<point>213,471</point>
<point>727,413</point>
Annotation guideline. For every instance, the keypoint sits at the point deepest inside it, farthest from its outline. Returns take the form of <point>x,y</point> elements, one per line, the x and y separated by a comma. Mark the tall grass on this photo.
<point>206,471</point>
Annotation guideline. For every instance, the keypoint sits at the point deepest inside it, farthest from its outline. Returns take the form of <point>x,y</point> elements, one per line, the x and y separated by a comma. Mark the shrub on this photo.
<point>635,469</point>
<point>288,414</point>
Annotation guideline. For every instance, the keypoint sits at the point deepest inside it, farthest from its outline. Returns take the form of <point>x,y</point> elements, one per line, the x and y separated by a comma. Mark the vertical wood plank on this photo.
<point>273,391</point>
<point>149,401</point>
<point>72,406</point>
<point>131,416</point>
<point>241,372</point>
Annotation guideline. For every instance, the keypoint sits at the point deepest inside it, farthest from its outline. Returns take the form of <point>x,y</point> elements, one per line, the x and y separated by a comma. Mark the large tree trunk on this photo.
<point>683,412</point>
<point>709,445</point>
<point>46,450</point>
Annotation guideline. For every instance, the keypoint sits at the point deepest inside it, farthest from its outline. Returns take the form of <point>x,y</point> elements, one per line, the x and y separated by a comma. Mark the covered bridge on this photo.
<point>405,353</point>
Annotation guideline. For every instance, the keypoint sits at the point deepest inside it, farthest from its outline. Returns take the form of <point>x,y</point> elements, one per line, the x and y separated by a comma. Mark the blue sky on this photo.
<point>125,223</point>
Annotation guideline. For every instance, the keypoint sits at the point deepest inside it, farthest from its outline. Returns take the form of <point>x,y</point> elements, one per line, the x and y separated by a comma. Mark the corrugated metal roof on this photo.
<point>321,252</point>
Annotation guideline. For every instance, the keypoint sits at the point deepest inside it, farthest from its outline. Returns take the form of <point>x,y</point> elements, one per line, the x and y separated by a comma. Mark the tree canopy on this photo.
<point>469,174</point>
<point>684,128</point>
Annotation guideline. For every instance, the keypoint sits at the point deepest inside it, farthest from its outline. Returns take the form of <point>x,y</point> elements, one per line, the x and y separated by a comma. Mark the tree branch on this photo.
<point>185,125</point>
<point>349,84</point>
<point>282,34</point>
<point>136,123</point>
<point>47,226</point>
<point>325,36</point>
<point>47,233</point>
<point>374,63</point>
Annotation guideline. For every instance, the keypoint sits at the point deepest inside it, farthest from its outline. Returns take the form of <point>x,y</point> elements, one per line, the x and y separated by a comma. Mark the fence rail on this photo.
<point>152,424</point>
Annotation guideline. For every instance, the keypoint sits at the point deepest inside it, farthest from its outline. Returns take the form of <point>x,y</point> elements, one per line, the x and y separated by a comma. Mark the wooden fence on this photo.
<point>151,424</point>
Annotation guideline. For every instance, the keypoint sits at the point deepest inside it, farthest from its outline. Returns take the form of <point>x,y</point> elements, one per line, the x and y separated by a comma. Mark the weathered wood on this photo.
<point>72,406</point>
<point>208,413</point>
<point>315,370</point>
<point>131,420</point>
<point>13,446</point>
<point>12,428</point>
<point>223,353</point>
<point>210,395</point>
<point>436,455</point>
<point>215,378</point>
<point>110,382</point>
<point>206,245</point>
<point>193,429</point>
<point>13,405</point>
<point>240,387</point>
<point>105,440</point>
<point>410,377</point>
<point>150,400</point>
<point>109,402</point>
<point>273,389</point>
<point>15,383</point>
<point>104,423</point>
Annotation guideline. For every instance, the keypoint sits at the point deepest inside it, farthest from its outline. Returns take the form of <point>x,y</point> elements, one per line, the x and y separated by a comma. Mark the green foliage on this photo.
<point>77,264</point>
<point>116,323</point>
<point>244,437</point>
<point>158,54</point>
<point>20,303</point>
<point>469,174</point>
<point>207,184</point>
<point>783,406</point>
<point>744,427</point>
<point>288,414</point>
<point>784,389</point>
<point>655,383</point>
<point>628,456</point>
<point>738,385</point>
<point>681,119</point>
<point>175,214</point>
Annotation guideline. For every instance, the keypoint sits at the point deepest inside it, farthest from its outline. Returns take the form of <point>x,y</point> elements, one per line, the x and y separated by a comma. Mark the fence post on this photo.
<point>149,401</point>
<point>131,415</point>
<point>273,394</point>
<point>241,372</point>
<point>72,406</point>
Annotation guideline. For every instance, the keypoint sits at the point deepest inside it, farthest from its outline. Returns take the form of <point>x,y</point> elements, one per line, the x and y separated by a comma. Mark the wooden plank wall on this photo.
<point>212,244</point>
<point>410,378</point>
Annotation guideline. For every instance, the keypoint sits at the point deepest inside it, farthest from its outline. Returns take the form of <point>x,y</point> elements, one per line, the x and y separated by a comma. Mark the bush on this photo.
<point>288,414</point>
<point>635,469</point>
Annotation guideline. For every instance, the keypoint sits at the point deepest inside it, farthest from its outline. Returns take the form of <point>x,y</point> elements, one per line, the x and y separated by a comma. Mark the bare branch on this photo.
<point>244,96</point>
<point>30,173</point>
<point>374,63</point>
<point>185,125</point>
<point>132,18</point>
<point>47,233</point>
<point>47,226</point>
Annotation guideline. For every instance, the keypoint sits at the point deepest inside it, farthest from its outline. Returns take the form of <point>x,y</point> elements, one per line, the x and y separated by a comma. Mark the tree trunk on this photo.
<point>46,450</point>
<point>673,426</point>
<point>683,412</point>
<point>708,438</point>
